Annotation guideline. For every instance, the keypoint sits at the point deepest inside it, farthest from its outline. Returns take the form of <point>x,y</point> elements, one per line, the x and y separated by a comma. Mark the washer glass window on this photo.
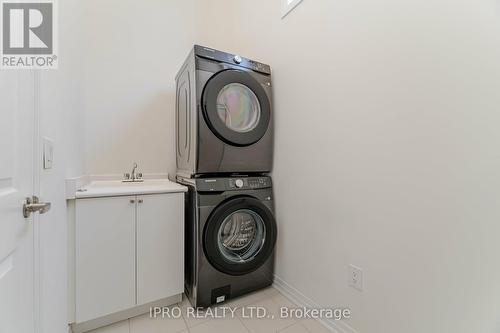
<point>238,107</point>
<point>241,236</point>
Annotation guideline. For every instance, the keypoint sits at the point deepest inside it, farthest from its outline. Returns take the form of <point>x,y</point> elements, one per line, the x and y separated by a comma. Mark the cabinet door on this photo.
<point>105,256</point>
<point>160,246</point>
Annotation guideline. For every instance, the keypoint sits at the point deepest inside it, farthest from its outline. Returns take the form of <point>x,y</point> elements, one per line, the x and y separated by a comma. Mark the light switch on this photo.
<point>48,153</point>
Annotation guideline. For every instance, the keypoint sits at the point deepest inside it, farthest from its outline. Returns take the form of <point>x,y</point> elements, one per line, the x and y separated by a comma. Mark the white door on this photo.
<point>17,181</point>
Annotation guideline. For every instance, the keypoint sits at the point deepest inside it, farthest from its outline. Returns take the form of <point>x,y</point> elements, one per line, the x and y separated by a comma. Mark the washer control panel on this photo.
<point>249,183</point>
<point>233,183</point>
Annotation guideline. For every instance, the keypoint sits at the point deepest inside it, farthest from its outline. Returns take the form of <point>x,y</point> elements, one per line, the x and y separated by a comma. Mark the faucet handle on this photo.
<point>126,175</point>
<point>139,175</point>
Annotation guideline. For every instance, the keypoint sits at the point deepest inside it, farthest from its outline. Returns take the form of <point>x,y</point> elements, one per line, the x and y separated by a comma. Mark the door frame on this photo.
<point>37,165</point>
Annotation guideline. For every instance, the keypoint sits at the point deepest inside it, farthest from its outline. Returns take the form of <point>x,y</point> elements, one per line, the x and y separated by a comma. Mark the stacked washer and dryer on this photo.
<point>224,152</point>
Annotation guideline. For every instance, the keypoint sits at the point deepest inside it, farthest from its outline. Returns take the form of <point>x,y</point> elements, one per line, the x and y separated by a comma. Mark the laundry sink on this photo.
<point>113,188</point>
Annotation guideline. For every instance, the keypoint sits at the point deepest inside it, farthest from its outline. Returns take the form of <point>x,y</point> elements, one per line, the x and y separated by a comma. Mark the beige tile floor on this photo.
<point>269,298</point>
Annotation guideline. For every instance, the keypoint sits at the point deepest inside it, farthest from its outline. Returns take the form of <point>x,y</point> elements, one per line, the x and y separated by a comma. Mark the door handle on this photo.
<point>33,205</point>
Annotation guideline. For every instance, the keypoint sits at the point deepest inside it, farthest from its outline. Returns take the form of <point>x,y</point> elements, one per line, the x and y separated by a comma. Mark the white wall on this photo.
<point>386,155</point>
<point>386,141</point>
<point>133,52</point>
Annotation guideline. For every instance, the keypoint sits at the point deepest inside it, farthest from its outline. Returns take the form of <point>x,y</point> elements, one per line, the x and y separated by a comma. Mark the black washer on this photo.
<point>211,241</point>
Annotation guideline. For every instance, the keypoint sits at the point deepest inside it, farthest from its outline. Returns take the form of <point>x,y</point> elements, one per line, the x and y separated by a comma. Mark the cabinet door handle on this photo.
<point>132,201</point>
<point>141,201</point>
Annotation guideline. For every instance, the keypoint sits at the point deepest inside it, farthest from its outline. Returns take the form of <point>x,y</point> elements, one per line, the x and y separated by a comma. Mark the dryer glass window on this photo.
<point>241,236</point>
<point>238,107</point>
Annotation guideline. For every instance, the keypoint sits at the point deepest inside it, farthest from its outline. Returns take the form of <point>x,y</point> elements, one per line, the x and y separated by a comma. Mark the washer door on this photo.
<point>240,236</point>
<point>236,107</point>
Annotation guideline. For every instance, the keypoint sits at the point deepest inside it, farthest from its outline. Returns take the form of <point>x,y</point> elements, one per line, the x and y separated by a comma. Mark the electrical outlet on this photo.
<point>356,277</point>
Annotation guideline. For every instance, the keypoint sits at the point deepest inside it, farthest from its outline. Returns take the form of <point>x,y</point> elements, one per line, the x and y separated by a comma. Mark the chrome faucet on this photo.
<point>134,176</point>
<point>133,171</point>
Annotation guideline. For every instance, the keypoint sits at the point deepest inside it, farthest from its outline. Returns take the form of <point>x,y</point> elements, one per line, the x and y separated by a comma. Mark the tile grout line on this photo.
<point>308,330</point>
<point>295,321</point>
<point>287,327</point>
<point>182,315</point>
<point>242,323</point>
<point>270,298</point>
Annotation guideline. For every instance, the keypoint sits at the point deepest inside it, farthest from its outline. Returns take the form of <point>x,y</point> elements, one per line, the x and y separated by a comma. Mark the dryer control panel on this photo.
<point>232,183</point>
<point>229,58</point>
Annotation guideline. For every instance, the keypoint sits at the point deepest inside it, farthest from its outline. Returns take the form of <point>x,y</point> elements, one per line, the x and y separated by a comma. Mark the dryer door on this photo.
<point>236,107</point>
<point>240,236</point>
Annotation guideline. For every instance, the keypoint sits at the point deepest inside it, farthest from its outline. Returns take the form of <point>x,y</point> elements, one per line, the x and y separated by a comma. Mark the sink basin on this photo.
<point>113,188</point>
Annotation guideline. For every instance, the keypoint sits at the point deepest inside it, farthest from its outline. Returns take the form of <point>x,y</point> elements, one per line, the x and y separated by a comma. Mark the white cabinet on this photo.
<point>105,256</point>
<point>129,251</point>
<point>160,258</point>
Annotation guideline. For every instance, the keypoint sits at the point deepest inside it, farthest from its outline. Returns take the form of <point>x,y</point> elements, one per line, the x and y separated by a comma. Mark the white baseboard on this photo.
<point>301,300</point>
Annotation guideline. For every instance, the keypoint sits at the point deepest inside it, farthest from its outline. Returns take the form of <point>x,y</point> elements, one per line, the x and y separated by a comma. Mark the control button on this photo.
<point>237,59</point>
<point>239,183</point>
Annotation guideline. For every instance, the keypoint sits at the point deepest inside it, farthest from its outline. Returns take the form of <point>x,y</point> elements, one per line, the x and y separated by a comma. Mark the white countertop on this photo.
<point>113,188</point>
